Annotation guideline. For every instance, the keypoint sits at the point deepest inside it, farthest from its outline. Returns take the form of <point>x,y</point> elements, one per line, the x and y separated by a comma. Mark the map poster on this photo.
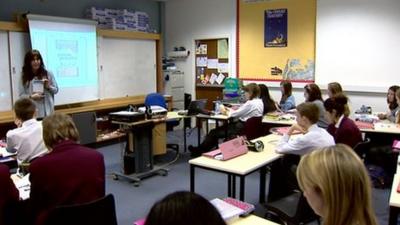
<point>275,28</point>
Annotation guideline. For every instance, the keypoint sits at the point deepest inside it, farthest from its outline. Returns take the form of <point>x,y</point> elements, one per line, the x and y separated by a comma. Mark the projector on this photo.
<point>154,111</point>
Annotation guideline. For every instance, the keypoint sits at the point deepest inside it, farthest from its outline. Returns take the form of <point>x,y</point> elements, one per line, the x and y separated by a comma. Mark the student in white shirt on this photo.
<point>26,139</point>
<point>307,116</point>
<point>282,177</point>
<point>252,108</point>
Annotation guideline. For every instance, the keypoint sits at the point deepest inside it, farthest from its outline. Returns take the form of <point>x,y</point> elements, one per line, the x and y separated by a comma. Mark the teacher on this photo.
<point>38,83</point>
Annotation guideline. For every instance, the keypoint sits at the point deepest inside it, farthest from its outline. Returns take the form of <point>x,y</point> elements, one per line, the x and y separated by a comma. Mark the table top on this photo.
<point>171,115</point>
<point>251,220</point>
<point>394,196</point>
<point>383,126</point>
<point>215,117</point>
<point>246,163</point>
<point>284,119</point>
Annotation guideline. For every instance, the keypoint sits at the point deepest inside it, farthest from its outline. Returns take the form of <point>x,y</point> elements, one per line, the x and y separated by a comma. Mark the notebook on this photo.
<point>226,210</point>
<point>229,149</point>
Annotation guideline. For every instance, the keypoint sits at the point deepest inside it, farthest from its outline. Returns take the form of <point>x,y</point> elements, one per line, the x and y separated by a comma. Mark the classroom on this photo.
<point>353,43</point>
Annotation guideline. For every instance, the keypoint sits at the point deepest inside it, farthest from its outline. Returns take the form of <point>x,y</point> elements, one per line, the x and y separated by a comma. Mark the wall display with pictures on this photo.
<point>212,67</point>
<point>276,40</point>
<point>212,64</point>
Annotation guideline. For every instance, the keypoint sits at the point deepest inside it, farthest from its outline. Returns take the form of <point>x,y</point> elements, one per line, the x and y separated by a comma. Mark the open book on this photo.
<point>227,211</point>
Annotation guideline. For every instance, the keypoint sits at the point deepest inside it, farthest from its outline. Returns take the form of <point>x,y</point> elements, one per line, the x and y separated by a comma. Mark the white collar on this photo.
<point>339,121</point>
<point>29,122</point>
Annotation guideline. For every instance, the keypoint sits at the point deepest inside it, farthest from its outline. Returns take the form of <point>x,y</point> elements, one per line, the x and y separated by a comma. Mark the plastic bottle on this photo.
<point>217,106</point>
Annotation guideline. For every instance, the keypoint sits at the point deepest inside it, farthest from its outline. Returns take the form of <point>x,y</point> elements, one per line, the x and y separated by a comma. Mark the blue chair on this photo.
<point>156,99</point>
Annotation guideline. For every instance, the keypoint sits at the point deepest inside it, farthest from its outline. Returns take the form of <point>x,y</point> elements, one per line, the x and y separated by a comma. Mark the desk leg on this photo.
<point>192,178</point>
<point>229,185</point>
<point>233,186</point>
<point>393,214</point>
<point>241,197</point>
<point>184,138</point>
<point>198,121</point>
<point>226,131</point>
<point>263,174</point>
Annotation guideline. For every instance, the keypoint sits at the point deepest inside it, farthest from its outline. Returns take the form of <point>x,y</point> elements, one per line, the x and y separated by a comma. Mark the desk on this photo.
<point>219,117</point>
<point>394,201</point>
<point>138,152</point>
<point>240,166</point>
<point>251,220</point>
<point>280,120</point>
<point>174,116</point>
<point>384,126</point>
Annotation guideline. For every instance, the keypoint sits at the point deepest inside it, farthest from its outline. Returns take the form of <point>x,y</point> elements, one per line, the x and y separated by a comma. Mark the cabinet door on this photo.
<point>5,88</point>
<point>19,45</point>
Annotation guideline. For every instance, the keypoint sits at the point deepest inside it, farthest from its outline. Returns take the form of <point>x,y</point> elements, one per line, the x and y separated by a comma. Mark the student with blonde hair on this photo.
<point>334,88</point>
<point>337,186</point>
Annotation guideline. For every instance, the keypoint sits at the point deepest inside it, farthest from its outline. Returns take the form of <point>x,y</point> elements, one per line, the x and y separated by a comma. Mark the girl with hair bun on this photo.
<point>342,128</point>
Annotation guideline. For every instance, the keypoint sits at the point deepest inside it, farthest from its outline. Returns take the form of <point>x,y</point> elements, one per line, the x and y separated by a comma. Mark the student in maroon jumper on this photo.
<point>69,174</point>
<point>9,195</point>
<point>343,129</point>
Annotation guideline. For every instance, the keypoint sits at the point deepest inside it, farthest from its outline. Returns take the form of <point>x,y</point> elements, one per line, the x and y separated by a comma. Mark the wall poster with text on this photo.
<point>275,30</point>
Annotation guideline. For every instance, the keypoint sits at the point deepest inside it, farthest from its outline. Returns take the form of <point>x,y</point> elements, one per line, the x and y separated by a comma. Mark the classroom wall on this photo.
<point>77,8</point>
<point>187,20</point>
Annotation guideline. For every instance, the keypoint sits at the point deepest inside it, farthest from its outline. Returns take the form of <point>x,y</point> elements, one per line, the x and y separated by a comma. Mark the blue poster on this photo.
<point>275,30</point>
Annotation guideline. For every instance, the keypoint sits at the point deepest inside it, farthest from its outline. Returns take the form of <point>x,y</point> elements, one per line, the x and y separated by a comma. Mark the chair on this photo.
<point>362,148</point>
<point>157,99</point>
<point>253,128</point>
<point>99,212</point>
<point>292,209</point>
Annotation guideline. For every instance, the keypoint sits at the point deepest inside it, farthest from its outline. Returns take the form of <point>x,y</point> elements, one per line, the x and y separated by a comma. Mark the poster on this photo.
<point>275,31</point>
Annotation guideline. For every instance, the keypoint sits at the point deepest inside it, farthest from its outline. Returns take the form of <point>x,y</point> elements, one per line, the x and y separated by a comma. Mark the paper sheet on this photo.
<point>212,63</point>
<point>201,61</point>
<point>213,78</point>
<point>24,186</point>
<point>220,78</point>
<point>223,67</point>
<point>222,48</point>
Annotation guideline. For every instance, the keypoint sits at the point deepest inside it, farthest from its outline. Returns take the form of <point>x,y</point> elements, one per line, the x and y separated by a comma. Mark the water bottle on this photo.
<point>217,106</point>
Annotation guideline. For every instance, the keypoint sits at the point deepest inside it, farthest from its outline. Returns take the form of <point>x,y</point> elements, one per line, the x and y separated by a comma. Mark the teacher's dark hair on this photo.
<point>27,73</point>
<point>183,208</point>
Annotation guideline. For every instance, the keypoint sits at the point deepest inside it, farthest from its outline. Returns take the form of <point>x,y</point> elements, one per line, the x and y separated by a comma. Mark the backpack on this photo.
<point>379,177</point>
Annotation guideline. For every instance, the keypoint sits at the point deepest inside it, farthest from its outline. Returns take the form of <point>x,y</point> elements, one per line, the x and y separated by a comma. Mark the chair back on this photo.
<point>155,99</point>
<point>362,148</point>
<point>99,212</point>
<point>292,210</point>
<point>253,128</point>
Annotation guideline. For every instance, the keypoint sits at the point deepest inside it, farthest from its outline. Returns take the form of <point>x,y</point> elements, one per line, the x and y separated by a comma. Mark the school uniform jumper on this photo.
<point>69,174</point>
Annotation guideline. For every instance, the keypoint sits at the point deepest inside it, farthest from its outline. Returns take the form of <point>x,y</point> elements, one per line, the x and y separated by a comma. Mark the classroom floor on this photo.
<point>133,203</point>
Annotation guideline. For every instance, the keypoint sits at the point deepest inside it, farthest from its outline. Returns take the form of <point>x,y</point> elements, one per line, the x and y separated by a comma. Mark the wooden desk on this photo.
<point>394,201</point>
<point>251,220</point>
<point>240,166</point>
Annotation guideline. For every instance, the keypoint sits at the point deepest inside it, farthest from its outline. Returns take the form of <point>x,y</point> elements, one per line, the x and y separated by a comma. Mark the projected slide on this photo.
<point>69,50</point>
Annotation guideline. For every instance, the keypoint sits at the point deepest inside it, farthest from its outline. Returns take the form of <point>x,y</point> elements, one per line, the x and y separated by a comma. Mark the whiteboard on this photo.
<point>19,45</point>
<point>5,88</point>
<point>357,43</point>
<point>127,67</point>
